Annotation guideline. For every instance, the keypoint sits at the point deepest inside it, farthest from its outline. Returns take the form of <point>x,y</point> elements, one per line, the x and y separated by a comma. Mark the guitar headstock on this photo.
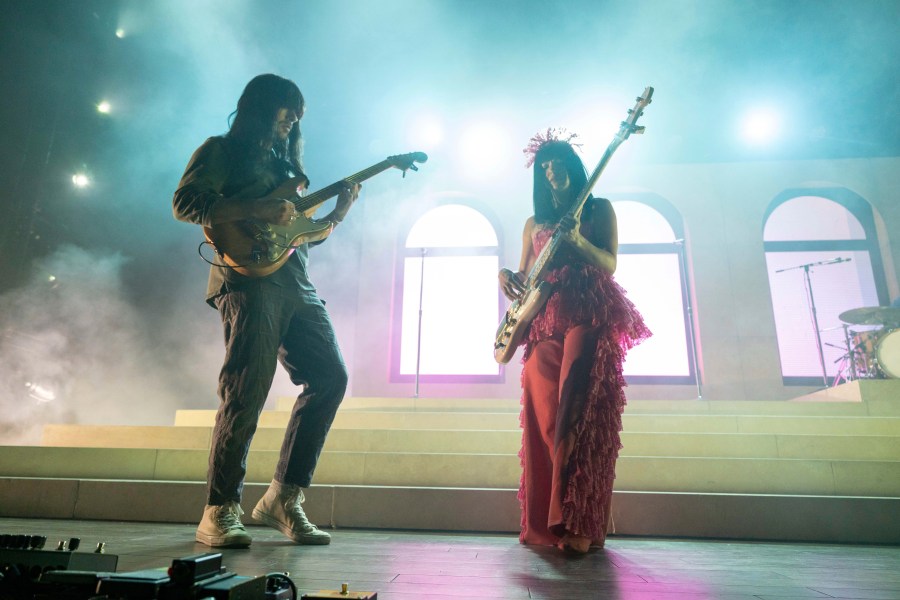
<point>406,162</point>
<point>629,125</point>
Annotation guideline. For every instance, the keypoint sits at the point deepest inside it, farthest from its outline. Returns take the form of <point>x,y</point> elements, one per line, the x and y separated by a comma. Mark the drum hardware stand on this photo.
<point>851,352</point>
<point>812,306</point>
<point>690,314</point>
<point>844,363</point>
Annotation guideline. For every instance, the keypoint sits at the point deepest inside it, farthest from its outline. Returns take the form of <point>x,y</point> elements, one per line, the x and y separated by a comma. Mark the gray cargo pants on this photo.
<point>265,323</point>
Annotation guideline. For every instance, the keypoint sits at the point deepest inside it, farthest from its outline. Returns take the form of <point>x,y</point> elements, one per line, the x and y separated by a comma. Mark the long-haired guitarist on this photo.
<point>574,347</point>
<point>253,172</point>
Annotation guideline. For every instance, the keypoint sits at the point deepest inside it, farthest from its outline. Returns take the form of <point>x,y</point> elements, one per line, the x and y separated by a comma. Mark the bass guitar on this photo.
<point>256,248</point>
<point>522,310</point>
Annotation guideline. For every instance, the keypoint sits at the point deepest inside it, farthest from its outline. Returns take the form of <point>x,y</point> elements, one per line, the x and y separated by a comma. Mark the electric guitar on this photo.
<point>523,310</point>
<point>255,248</point>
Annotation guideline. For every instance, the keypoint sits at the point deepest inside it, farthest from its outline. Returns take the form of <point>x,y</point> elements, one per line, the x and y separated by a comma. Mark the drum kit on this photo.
<point>872,353</point>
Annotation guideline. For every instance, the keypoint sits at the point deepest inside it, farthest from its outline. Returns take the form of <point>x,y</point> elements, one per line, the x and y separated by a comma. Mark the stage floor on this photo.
<point>403,565</point>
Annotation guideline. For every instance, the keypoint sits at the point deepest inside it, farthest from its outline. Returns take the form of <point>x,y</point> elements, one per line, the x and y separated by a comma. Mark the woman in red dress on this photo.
<point>572,380</point>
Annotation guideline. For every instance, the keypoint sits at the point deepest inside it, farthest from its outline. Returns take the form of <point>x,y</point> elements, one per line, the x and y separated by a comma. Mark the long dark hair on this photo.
<point>252,124</point>
<point>544,209</point>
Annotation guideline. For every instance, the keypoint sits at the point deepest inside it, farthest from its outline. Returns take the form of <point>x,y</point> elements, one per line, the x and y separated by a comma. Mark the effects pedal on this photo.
<point>24,557</point>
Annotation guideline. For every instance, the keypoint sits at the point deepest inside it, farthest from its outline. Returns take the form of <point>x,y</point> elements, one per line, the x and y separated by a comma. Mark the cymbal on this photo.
<point>871,315</point>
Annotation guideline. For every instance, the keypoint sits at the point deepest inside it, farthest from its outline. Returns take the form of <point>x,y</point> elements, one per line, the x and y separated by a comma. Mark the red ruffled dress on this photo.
<point>573,399</point>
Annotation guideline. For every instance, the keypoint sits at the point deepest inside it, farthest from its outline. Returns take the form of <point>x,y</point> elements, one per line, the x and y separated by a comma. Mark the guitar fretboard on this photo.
<point>318,197</point>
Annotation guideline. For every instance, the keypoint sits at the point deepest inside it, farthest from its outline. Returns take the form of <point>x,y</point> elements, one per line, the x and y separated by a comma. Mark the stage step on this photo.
<point>827,519</point>
<point>487,421</point>
<point>730,445</point>
<point>882,399</point>
<point>634,473</point>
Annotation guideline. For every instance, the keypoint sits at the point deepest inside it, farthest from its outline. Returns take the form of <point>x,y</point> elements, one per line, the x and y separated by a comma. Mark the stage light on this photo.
<point>120,33</point>
<point>426,132</point>
<point>104,107</point>
<point>484,148</point>
<point>760,126</point>
<point>39,392</point>
<point>80,180</point>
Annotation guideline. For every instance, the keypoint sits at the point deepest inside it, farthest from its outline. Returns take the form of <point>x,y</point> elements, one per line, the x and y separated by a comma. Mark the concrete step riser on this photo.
<point>631,423</point>
<point>708,475</point>
<point>764,517</point>
<point>841,447</point>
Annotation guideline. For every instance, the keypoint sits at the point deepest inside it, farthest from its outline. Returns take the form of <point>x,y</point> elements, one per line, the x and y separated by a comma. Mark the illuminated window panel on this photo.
<point>448,271</point>
<point>640,223</point>
<point>653,282</point>
<point>650,270</point>
<point>459,315</point>
<point>451,225</point>
<point>812,218</point>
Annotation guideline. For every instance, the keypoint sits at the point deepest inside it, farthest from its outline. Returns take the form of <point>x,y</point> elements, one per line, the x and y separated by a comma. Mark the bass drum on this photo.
<point>888,354</point>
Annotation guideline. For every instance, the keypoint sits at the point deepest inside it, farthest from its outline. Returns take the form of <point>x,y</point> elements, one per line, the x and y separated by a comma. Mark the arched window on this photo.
<point>651,268</point>
<point>823,259</point>
<point>449,306</point>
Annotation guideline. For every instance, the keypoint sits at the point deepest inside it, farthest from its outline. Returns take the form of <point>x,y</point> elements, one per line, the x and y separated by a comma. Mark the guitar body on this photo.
<point>520,313</point>
<point>256,248</point>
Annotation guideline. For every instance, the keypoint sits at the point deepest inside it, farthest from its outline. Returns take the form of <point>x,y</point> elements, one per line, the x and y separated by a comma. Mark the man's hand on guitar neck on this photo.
<point>347,196</point>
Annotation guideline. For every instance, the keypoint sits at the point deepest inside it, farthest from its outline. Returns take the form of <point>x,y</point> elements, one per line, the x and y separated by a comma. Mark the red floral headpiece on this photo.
<point>541,139</point>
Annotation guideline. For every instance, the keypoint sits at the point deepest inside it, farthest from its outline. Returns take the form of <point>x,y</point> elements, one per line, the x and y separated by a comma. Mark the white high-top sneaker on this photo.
<point>221,527</point>
<point>280,508</point>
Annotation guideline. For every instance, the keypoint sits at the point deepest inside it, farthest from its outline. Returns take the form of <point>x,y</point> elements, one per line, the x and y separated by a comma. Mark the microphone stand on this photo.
<point>419,332</point>
<point>812,306</point>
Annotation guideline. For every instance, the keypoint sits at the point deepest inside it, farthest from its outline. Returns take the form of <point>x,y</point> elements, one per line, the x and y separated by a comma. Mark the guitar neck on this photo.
<point>316,198</point>
<point>546,256</point>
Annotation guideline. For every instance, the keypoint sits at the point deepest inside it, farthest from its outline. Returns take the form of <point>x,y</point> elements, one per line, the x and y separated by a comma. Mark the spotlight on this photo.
<point>484,148</point>
<point>426,132</point>
<point>104,107</point>
<point>80,180</point>
<point>120,33</point>
<point>761,126</point>
<point>39,392</point>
